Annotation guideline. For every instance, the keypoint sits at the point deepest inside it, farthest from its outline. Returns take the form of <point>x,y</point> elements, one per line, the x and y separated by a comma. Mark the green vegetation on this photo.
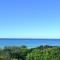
<point>23,53</point>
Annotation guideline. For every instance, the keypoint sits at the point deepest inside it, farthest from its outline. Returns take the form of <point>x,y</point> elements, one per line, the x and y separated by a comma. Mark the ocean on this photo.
<point>28,42</point>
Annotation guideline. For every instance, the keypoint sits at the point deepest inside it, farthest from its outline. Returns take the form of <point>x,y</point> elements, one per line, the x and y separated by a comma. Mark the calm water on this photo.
<point>29,42</point>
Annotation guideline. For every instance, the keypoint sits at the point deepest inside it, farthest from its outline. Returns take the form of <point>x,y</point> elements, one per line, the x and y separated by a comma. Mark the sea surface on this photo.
<point>30,43</point>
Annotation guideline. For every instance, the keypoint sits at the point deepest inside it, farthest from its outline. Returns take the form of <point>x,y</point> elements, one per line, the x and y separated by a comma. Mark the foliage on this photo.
<point>23,53</point>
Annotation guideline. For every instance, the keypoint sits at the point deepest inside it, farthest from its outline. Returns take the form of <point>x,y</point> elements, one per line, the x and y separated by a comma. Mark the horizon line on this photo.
<point>30,38</point>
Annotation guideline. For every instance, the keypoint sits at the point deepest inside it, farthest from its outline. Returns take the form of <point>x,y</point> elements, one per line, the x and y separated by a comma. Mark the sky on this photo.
<point>29,18</point>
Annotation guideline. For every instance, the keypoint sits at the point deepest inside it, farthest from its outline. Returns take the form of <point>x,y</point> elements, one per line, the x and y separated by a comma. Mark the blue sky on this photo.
<point>29,18</point>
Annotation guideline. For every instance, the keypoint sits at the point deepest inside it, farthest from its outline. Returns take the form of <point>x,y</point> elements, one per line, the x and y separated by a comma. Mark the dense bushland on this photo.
<point>23,53</point>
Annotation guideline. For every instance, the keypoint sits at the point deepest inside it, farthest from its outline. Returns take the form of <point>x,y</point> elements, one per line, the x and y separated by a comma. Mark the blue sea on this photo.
<point>28,42</point>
